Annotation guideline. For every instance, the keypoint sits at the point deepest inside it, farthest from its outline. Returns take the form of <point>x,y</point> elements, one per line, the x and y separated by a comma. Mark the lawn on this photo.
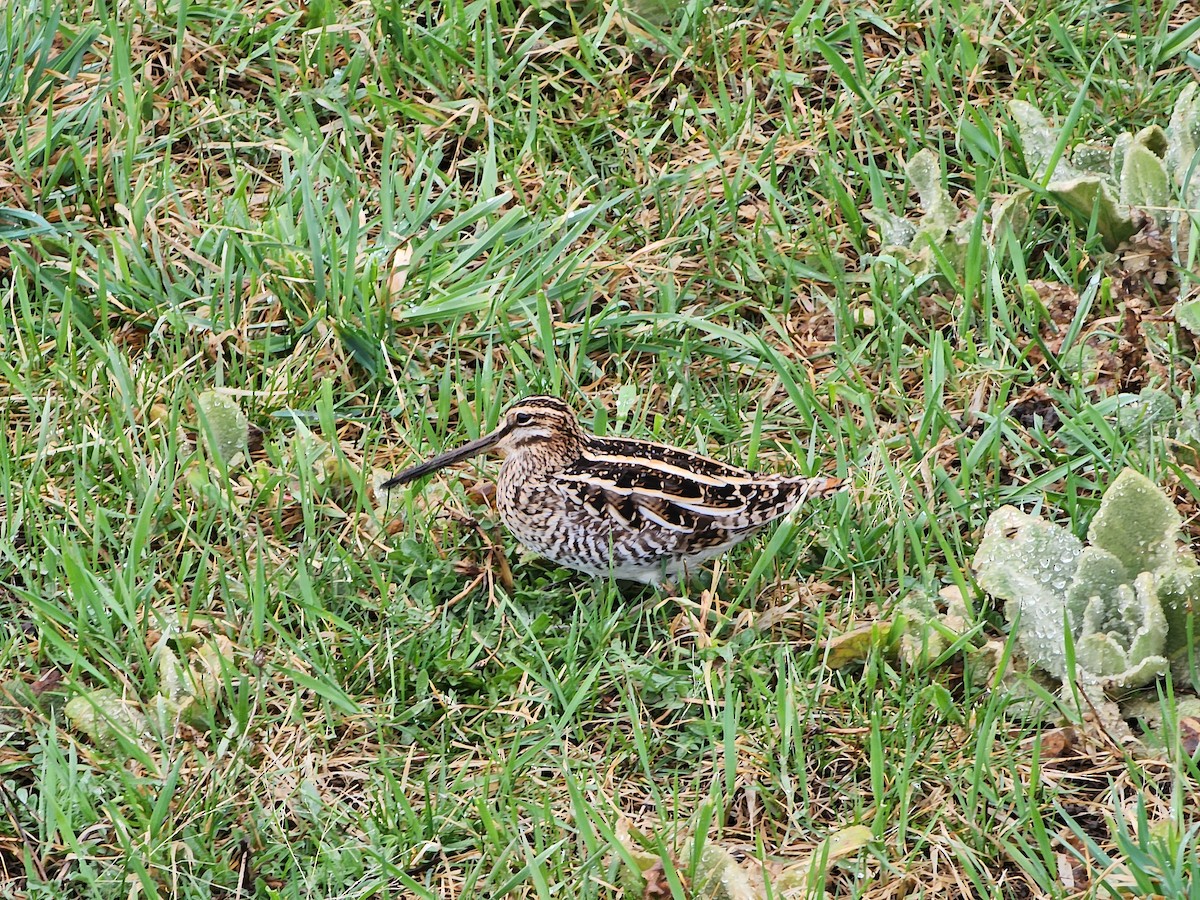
<point>805,238</point>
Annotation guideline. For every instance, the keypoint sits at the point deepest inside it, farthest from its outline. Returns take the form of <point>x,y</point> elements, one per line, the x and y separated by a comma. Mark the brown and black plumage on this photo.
<point>634,509</point>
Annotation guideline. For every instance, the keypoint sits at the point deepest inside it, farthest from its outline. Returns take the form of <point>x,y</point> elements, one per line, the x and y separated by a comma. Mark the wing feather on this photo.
<point>641,485</point>
<point>713,503</point>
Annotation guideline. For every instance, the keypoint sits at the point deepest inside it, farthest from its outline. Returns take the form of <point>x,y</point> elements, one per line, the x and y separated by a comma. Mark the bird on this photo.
<point>612,506</point>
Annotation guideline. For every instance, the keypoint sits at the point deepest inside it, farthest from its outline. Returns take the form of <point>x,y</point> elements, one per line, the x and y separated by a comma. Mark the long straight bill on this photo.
<point>448,458</point>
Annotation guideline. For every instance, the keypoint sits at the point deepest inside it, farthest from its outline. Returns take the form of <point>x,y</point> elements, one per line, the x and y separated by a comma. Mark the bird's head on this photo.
<point>529,424</point>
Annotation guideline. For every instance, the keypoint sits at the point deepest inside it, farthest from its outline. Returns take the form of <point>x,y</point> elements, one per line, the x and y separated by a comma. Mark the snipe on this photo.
<point>634,509</point>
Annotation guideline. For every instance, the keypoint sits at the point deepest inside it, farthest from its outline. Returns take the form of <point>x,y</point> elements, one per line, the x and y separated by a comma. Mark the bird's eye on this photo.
<point>523,418</point>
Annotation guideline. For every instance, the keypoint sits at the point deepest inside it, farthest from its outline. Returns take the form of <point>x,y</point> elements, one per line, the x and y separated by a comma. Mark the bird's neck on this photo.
<point>545,456</point>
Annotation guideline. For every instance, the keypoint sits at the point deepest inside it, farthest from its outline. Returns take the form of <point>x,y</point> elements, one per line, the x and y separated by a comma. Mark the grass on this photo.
<point>658,213</point>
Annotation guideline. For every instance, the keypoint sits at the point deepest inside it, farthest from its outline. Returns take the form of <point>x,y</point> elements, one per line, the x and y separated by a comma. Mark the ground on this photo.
<point>371,226</point>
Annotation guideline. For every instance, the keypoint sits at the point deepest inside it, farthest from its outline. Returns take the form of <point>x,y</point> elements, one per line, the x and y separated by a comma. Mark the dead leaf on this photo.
<point>750,212</point>
<point>864,315</point>
<point>657,885</point>
<point>856,645</point>
<point>106,717</point>
<point>482,492</point>
<point>1059,743</point>
<point>718,873</point>
<point>399,270</point>
<point>838,845</point>
<point>47,682</point>
<point>1189,735</point>
<point>1066,871</point>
